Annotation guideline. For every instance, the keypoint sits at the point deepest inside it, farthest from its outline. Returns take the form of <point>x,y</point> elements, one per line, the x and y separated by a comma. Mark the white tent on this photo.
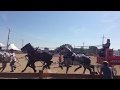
<point>2,45</point>
<point>12,46</point>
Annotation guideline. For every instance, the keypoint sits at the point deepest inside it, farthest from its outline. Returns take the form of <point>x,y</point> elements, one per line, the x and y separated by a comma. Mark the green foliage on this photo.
<point>92,49</point>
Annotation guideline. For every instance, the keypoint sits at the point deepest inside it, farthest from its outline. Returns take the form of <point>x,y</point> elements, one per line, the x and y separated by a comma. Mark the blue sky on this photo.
<point>54,28</point>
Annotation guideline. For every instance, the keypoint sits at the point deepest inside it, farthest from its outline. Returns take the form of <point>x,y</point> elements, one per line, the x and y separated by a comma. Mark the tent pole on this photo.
<point>8,39</point>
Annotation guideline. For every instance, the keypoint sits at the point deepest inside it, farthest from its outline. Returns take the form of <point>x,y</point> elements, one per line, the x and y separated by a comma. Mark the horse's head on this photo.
<point>27,48</point>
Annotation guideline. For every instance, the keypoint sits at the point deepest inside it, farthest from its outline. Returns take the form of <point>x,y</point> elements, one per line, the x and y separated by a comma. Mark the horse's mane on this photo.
<point>32,46</point>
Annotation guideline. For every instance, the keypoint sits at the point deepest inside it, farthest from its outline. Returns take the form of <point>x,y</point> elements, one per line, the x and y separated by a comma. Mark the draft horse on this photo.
<point>35,55</point>
<point>82,61</point>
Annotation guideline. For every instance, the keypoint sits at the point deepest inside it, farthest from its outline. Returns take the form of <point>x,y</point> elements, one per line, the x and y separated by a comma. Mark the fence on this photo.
<point>42,75</point>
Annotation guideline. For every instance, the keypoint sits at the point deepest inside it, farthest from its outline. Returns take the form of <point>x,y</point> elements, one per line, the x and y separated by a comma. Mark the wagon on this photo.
<point>112,59</point>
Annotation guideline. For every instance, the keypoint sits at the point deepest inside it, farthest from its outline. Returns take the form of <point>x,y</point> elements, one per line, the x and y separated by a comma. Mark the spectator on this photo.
<point>13,60</point>
<point>106,70</point>
<point>60,59</point>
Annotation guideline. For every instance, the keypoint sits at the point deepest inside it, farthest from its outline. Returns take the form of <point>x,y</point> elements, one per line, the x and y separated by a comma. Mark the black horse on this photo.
<point>35,55</point>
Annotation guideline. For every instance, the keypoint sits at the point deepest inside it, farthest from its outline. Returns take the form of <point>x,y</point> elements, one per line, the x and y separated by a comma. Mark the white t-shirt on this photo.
<point>13,56</point>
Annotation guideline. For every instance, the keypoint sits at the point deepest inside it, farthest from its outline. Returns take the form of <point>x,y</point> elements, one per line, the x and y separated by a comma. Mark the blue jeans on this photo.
<point>12,64</point>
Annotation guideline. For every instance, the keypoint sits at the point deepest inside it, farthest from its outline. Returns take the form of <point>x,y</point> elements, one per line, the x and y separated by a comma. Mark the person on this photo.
<point>69,55</point>
<point>105,46</point>
<point>13,60</point>
<point>106,70</point>
<point>68,52</point>
<point>60,59</point>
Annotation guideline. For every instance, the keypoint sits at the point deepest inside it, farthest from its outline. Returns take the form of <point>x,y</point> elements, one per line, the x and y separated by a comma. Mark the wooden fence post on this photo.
<point>40,74</point>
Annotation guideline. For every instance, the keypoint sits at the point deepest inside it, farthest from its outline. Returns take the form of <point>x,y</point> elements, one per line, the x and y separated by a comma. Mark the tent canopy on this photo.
<point>2,45</point>
<point>12,46</point>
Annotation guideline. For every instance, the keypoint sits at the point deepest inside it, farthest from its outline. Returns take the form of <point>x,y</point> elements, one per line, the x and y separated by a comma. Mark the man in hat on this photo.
<point>106,70</point>
<point>13,60</point>
<point>68,54</point>
<point>105,46</point>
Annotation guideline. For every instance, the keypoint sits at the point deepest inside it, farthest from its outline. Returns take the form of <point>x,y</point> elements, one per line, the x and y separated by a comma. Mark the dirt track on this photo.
<point>54,68</point>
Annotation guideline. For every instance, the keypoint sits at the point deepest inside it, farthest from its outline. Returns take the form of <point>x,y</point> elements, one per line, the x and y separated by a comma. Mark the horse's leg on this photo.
<point>3,66</point>
<point>43,63</point>
<point>60,65</point>
<point>80,66</point>
<point>67,68</point>
<point>90,70</point>
<point>68,65</point>
<point>84,70</point>
<point>48,64</point>
<point>93,67</point>
<point>33,67</point>
<point>44,66</point>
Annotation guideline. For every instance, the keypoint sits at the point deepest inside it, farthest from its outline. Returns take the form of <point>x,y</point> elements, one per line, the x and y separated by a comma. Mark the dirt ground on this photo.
<point>21,63</point>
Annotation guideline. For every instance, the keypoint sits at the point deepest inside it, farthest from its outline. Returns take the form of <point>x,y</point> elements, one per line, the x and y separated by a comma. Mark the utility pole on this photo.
<point>83,44</point>
<point>8,39</point>
<point>83,48</point>
<point>103,39</point>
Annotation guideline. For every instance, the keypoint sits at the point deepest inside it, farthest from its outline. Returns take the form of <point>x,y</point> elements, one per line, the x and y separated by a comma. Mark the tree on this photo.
<point>93,49</point>
<point>59,49</point>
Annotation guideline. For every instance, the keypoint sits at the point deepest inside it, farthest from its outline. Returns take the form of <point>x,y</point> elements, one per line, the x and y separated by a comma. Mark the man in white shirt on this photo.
<point>13,60</point>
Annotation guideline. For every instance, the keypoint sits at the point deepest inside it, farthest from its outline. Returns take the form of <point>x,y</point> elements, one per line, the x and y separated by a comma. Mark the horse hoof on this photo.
<point>74,70</point>
<point>96,73</point>
<point>61,67</point>
<point>22,71</point>
<point>42,68</point>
